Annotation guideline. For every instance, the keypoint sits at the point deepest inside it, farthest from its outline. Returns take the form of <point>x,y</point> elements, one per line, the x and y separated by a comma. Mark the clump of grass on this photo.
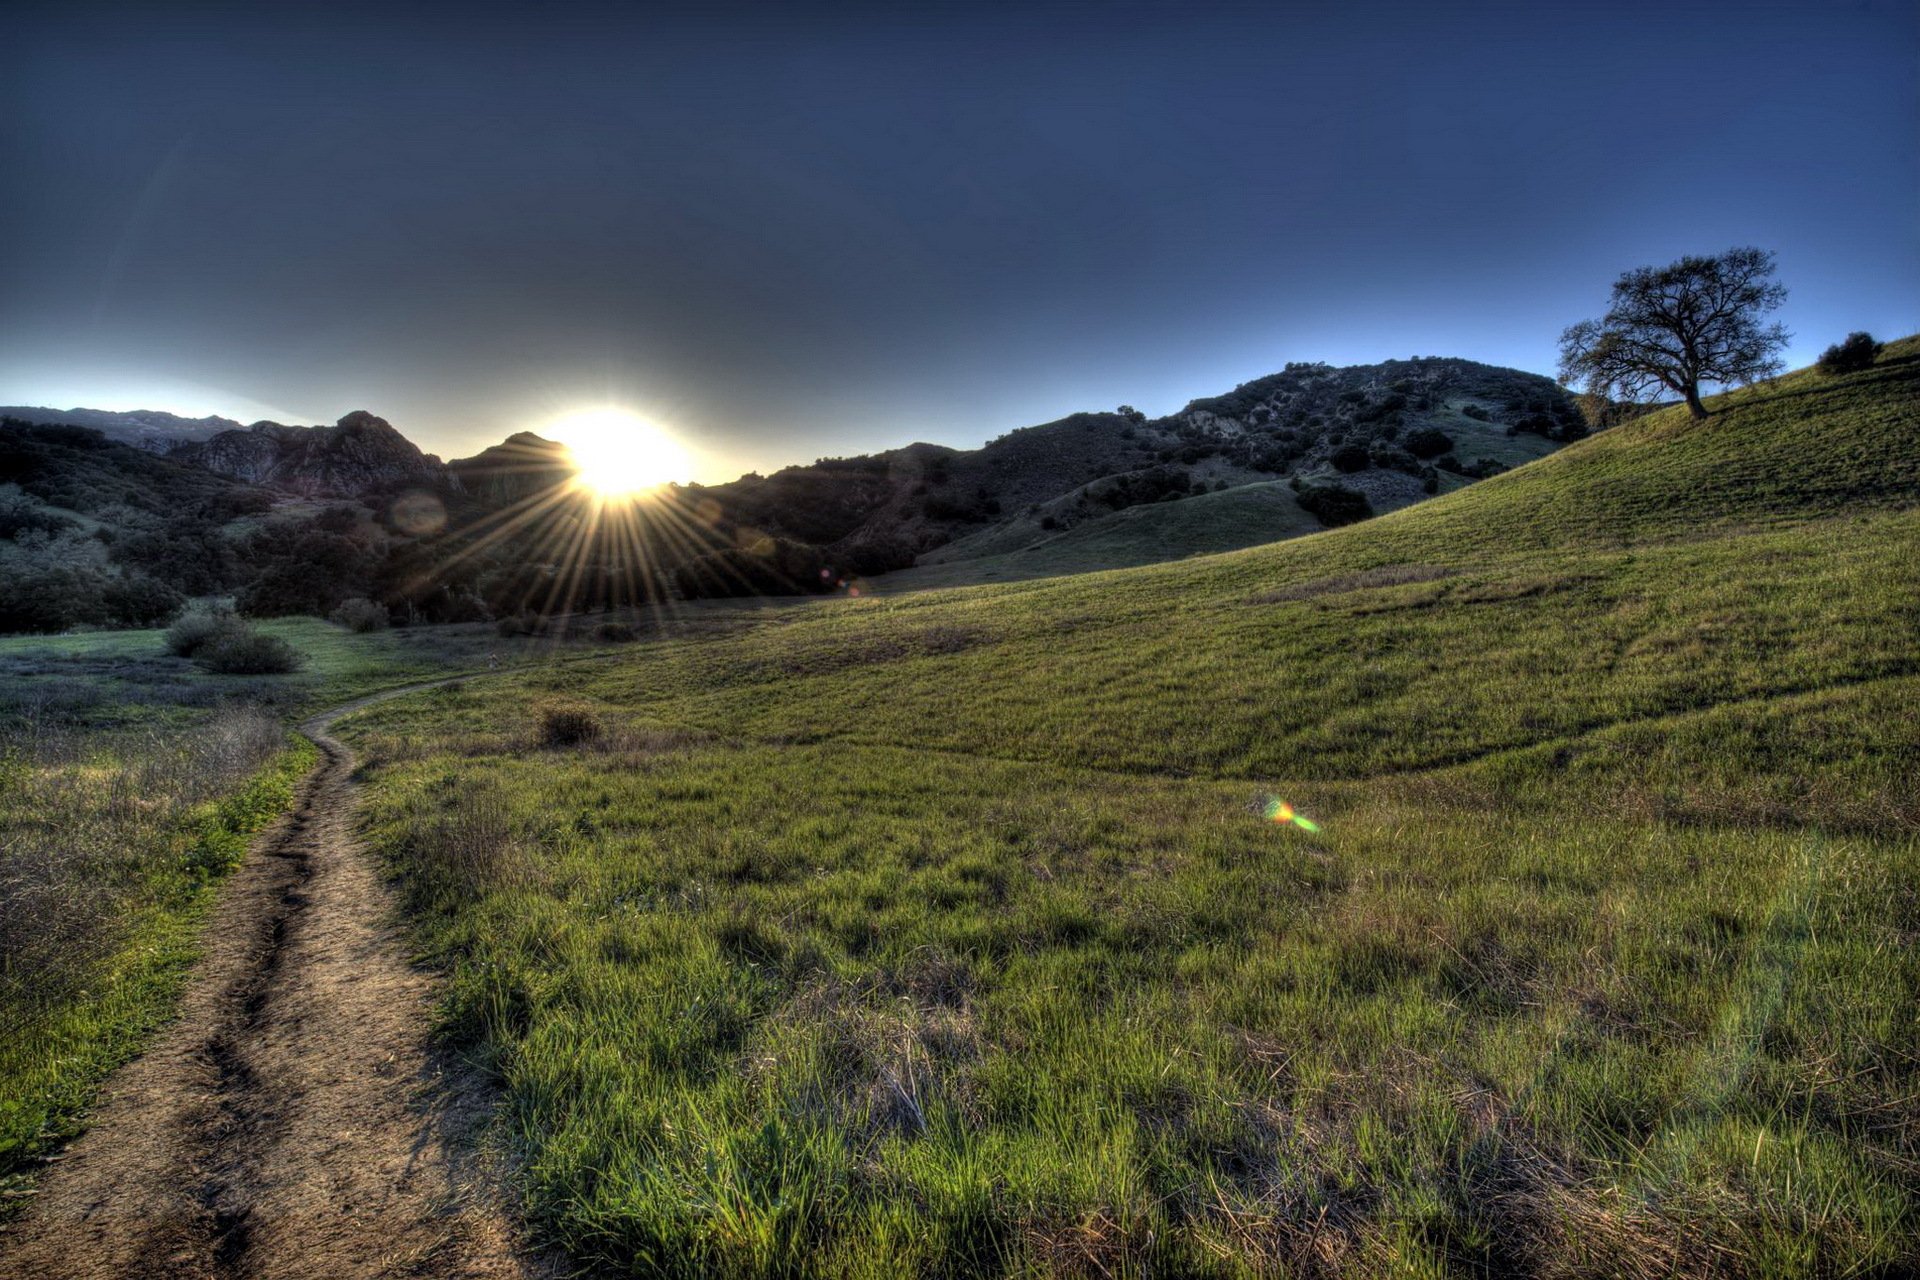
<point>568,727</point>
<point>465,850</point>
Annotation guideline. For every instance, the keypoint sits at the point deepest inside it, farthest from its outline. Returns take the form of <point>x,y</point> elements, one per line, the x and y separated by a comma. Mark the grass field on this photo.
<point>947,934</point>
<point>130,781</point>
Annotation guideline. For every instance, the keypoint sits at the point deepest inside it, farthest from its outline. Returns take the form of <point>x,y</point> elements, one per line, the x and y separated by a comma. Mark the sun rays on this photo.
<point>596,520</point>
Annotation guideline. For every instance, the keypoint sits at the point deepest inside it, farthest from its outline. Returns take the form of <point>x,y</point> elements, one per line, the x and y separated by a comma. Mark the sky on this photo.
<point>800,231</point>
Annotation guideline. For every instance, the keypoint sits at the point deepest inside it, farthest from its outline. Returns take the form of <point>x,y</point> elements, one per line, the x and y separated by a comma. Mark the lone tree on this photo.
<point>1698,320</point>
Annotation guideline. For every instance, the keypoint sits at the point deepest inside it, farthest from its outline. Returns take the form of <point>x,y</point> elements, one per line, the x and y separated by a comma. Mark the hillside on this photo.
<point>964,931</point>
<point>1395,431</point>
<point>502,532</point>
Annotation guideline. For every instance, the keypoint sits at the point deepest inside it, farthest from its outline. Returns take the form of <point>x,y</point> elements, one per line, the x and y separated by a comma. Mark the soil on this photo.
<point>296,1120</point>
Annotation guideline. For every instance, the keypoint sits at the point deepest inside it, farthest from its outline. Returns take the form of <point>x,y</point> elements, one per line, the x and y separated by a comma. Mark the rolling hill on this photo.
<point>969,932</point>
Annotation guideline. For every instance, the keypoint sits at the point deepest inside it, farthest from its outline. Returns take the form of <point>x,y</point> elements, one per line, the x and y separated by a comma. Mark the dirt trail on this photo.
<point>295,1121</point>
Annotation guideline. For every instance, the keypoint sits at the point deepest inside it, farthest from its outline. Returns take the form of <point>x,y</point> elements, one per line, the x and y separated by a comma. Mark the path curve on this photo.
<point>296,1120</point>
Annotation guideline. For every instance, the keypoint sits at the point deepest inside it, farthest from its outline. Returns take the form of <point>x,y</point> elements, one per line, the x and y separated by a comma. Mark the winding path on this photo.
<point>295,1121</point>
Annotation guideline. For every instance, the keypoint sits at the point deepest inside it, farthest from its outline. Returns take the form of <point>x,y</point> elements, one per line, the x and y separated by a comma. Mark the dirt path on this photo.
<point>295,1121</point>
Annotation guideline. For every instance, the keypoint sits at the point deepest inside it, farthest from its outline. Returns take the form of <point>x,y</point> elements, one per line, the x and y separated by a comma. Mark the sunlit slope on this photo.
<point>1806,445</point>
<point>1243,516</point>
<point>1662,568</point>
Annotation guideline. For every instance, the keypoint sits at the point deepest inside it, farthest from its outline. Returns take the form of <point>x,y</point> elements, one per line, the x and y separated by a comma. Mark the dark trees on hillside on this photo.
<point>1858,352</point>
<point>1333,505</point>
<point>1696,320</point>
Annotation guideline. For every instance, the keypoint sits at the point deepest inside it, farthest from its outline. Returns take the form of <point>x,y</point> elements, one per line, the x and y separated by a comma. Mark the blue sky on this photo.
<point>801,231</point>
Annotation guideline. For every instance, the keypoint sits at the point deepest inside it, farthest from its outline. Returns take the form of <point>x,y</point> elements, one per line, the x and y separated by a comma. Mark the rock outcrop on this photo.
<point>359,455</point>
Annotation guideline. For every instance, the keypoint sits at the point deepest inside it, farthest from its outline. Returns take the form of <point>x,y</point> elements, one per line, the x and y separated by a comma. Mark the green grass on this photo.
<point>130,677</point>
<point>1239,517</point>
<point>942,934</point>
<point>134,834</point>
<point>130,784</point>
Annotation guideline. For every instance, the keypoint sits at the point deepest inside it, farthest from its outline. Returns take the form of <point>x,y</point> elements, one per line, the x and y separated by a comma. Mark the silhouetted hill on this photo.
<point>148,429</point>
<point>520,467</point>
<point>503,532</point>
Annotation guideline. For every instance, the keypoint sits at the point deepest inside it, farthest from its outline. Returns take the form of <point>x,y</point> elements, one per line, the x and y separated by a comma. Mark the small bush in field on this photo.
<point>247,652</point>
<point>196,629</point>
<point>1858,352</point>
<point>616,632</point>
<point>359,614</point>
<point>564,727</point>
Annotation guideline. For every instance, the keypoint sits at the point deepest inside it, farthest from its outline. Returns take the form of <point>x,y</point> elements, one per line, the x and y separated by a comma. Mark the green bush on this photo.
<point>197,628</point>
<point>360,614</point>
<point>617,632</point>
<point>245,652</point>
<point>1858,352</point>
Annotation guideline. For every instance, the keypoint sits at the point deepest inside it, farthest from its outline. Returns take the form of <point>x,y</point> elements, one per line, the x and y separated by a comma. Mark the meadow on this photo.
<point>950,933</point>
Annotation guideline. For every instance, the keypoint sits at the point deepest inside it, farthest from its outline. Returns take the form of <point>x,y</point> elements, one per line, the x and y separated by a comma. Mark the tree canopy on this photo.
<point>1695,321</point>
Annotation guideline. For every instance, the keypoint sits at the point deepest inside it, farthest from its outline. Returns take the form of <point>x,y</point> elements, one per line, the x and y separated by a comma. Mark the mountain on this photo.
<point>148,429</point>
<point>359,455</point>
<point>1393,432</point>
<point>522,466</point>
<point>502,532</point>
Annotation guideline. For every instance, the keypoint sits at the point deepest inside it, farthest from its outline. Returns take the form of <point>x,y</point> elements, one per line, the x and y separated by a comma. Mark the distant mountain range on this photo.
<point>1308,446</point>
<point>148,429</point>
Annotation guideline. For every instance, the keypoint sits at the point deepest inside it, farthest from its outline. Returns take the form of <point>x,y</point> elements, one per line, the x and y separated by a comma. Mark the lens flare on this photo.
<point>1280,812</point>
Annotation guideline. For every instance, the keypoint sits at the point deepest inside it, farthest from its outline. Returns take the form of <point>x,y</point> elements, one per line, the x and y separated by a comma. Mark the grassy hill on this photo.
<point>949,933</point>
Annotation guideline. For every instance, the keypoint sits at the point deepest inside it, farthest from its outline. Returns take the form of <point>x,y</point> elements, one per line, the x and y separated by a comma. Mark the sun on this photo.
<point>618,454</point>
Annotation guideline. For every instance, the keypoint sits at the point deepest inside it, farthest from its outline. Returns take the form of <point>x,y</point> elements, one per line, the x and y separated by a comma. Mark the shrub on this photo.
<point>359,614</point>
<point>566,727</point>
<point>194,630</point>
<point>1858,352</point>
<point>1334,505</point>
<point>1350,458</point>
<point>137,599</point>
<point>1475,412</point>
<point>516,625</point>
<point>616,632</point>
<point>245,652</point>
<point>1427,442</point>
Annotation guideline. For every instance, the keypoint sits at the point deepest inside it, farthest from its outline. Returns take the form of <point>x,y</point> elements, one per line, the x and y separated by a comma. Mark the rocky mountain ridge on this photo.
<point>359,455</point>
